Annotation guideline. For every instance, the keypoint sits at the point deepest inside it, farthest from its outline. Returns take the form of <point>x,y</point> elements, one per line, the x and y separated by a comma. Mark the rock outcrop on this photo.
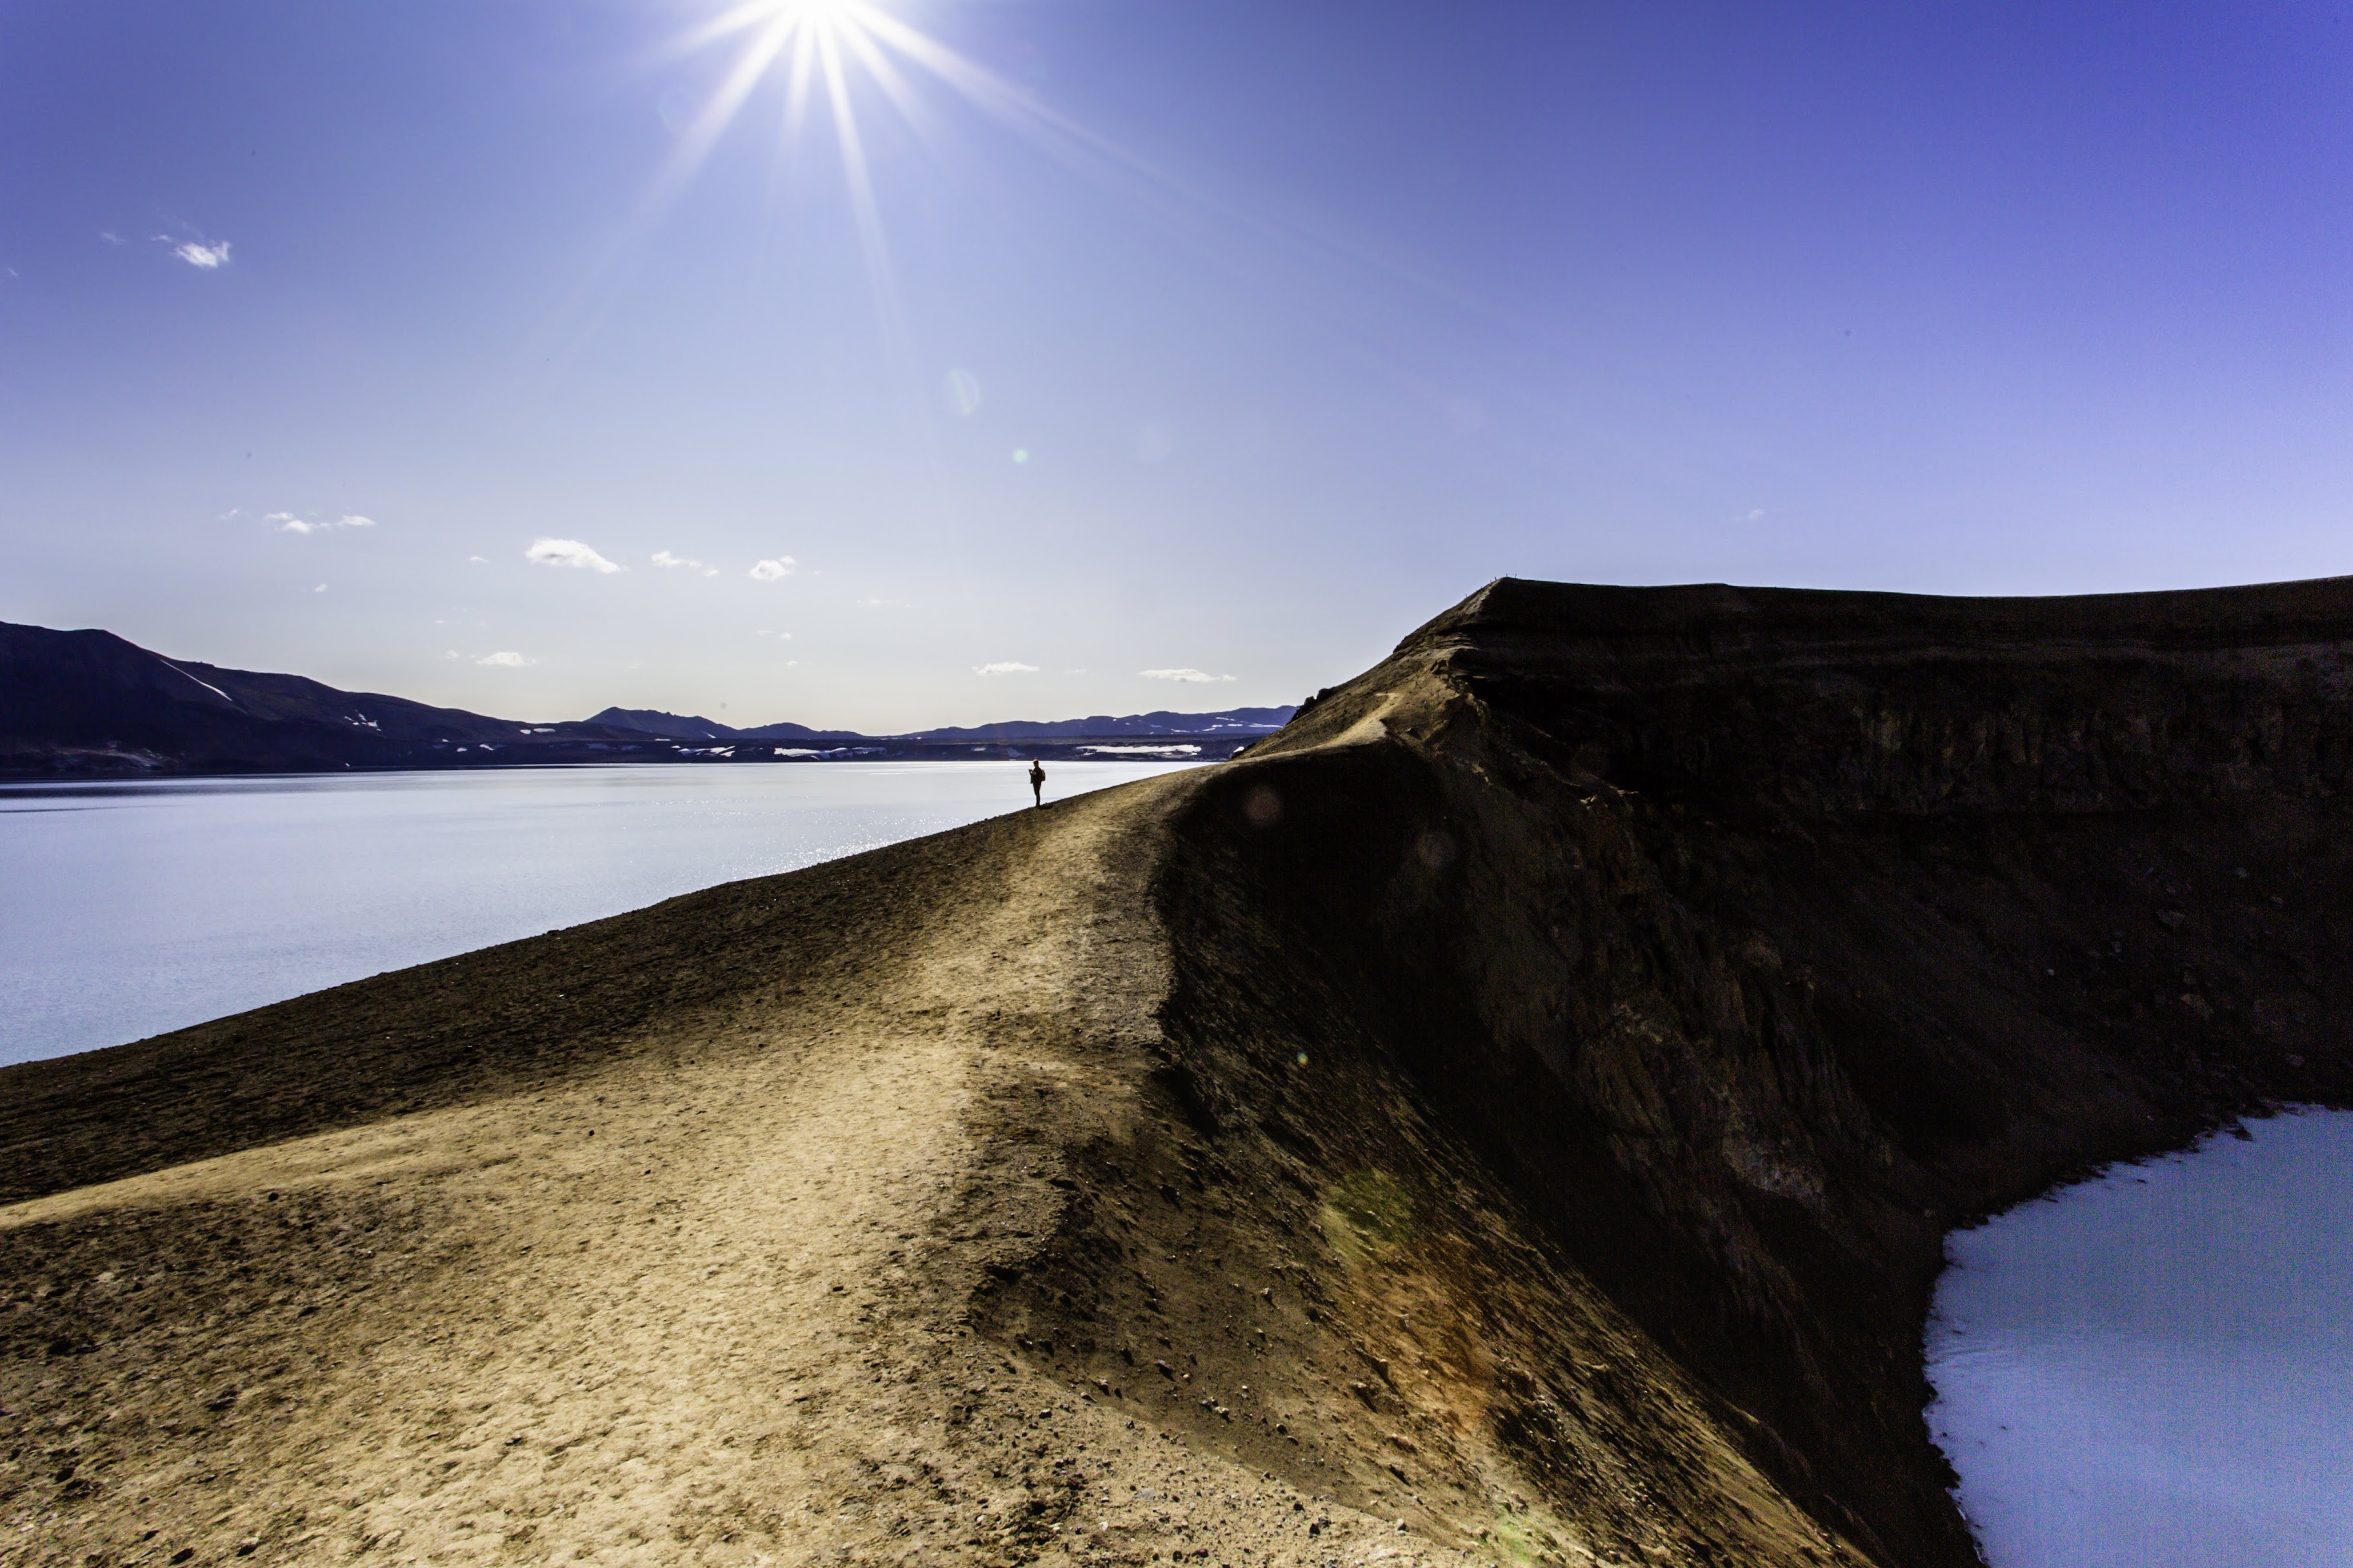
<point>1511,1115</point>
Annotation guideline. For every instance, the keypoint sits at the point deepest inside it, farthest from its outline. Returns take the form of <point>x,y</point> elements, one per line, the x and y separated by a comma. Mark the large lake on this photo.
<point>2154,1369</point>
<point>138,907</point>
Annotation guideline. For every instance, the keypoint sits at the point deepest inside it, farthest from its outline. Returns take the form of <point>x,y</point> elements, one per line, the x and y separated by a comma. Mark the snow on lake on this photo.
<point>2154,1369</point>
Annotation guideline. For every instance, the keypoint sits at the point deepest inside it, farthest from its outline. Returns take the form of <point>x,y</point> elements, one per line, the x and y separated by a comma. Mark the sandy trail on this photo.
<point>706,1303</point>
<point>604,1320</point>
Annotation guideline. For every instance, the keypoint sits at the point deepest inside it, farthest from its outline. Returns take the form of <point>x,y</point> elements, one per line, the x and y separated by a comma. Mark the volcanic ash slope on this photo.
<point>1510,1116</point>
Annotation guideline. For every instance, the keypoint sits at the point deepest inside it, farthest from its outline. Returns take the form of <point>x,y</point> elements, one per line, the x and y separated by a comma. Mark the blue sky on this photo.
<point>1234,339</point>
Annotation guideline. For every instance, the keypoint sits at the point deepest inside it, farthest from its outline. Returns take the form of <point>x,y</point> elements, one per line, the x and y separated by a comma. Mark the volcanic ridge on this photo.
<point>1511,1114</point>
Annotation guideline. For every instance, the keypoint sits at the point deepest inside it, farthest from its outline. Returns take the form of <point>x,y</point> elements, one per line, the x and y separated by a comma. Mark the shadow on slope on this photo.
<point>1595,1016</point>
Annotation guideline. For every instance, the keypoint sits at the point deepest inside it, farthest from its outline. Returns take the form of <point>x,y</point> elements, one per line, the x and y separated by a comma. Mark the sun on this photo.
<point>816,46</point>
<point>830,58</point>
<point>820,48</point>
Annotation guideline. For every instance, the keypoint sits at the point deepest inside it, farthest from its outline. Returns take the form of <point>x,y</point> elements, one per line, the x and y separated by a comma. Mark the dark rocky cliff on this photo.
<point>1757,937</point>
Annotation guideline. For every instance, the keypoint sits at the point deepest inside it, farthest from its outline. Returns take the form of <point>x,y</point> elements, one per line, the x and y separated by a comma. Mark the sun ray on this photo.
<point>895,88</point>
<point>854,171</point>
<point>821,46</point>
<point>796,92</point>
<point>694,145</point>
<point>735,19</point>
<point>866,214</point>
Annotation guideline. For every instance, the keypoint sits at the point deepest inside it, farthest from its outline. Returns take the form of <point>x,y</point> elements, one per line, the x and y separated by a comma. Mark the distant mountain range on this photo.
<point>1243,723</point>
<point>690,727</point>
<point>89,703</point>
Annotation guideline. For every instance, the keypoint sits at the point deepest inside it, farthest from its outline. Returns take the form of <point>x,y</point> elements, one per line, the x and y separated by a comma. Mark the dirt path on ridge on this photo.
<point>703,1303</point>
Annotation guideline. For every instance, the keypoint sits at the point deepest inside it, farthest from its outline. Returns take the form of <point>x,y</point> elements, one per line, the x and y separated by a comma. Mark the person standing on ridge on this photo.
<point>1038,781</point>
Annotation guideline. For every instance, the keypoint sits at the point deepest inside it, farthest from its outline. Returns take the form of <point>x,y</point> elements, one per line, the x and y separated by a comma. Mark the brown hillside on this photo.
<point>1511,1115</point>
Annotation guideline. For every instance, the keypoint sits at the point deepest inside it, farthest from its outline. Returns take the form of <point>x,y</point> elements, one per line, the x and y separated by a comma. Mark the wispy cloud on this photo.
<point>206,257</point>
<point>1185,674</point>
<point>478,560</point>
<point>567,553</point>
<point>769,570</point>
<point>506,658</point>
<point>664,558</point>
<point>1004,667</point>
<point>289,523</point>
<point>109,236</point>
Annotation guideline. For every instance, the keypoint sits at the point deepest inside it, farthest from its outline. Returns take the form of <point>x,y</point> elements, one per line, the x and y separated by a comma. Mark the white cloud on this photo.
<point>289,523</point>
<point>567,553</point>
<point>663,558</point>
<point>1004,667</point>
<point>480,559</point>
<point>319,589</point>
<point>208,257</point>
<point>769,570</point>
<point>1185,674</point>
<point>109,236</point>
<point>506,658</point>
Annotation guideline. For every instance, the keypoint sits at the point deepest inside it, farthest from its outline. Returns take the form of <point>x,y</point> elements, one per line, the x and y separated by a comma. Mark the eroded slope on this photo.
<point>1754,938</point>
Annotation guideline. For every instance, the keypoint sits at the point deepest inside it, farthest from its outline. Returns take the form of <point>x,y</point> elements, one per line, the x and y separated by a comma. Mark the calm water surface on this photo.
<point>2155,1368</point>
<point>143,906</point>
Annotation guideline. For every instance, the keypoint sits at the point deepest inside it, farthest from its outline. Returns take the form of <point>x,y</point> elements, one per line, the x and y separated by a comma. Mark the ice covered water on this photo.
<point>132,908</point>
<point>2155,1368</point>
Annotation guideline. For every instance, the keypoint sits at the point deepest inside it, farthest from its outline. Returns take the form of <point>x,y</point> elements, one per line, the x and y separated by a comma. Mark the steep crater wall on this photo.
<point>1752,940</point>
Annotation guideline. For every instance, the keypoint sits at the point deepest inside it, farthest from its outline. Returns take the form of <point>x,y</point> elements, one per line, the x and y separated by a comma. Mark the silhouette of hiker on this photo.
<point>1038,780</point>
